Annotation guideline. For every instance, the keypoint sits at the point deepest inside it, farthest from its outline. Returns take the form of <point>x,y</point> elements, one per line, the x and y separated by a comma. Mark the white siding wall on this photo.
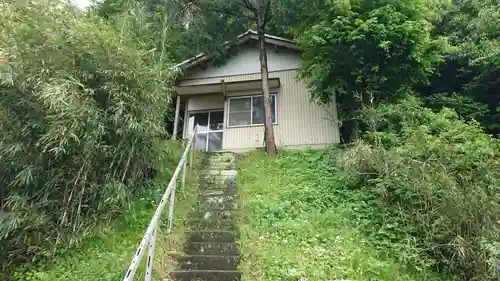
<point>300,123</point>
<point>247,61</point>
<point>204,102</point>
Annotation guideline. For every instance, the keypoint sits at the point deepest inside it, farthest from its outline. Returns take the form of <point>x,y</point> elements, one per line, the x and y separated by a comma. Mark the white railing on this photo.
<point>149,238</point>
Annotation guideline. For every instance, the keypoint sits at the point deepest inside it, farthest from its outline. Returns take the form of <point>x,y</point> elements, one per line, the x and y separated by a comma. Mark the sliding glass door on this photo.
<point>210,130</point>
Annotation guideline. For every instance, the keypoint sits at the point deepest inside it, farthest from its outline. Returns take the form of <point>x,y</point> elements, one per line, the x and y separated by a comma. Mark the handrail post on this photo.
<point>183,186</point>
<point>149,238</point>
<point>193,147</point>
<point>191,152</point>
<point>151,255</point>
<point>171,210</point>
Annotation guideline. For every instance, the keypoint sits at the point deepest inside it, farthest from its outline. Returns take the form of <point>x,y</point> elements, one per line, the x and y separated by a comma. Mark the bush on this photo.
<point>81,108</point>
<point>443,176</point>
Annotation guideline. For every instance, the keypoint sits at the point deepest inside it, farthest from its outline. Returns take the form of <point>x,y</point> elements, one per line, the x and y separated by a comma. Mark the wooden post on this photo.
<point>223,89</point>
<point>176,118</point>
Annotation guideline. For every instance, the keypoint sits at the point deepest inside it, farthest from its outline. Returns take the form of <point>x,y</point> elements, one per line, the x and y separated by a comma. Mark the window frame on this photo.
<point>251,110</point>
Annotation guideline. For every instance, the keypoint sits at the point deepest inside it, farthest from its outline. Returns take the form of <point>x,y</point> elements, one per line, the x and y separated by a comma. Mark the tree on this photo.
<point>257,11</point>
<point>261,13</point>
<point>468,80</point>
<point>82,104</point>
<point>157,24</point>
<point>365,49</point>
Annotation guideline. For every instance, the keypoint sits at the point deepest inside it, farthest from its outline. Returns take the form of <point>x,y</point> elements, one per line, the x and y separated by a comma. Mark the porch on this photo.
<point>229,115</point>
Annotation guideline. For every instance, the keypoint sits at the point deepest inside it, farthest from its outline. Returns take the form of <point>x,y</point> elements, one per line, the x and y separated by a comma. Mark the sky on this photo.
<point>82,3</point>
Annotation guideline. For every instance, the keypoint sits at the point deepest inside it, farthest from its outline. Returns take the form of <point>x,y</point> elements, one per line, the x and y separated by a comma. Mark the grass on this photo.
<point>301,220</point>
<point>107,256</point>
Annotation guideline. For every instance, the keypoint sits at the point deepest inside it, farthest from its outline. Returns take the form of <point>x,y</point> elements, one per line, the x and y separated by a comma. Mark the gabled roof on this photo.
<point>250,35</point>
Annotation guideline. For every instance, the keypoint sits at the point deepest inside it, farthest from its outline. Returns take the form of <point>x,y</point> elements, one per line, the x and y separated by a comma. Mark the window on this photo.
<point>246,111</point>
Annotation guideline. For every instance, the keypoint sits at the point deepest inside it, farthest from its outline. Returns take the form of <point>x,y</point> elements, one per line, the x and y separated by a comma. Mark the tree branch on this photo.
<point>182,6</point>
<point>222,11</point>
<point>247,5</point>
<point>267,5</point>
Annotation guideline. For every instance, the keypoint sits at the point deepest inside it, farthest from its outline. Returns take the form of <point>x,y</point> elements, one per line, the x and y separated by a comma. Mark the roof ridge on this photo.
<point>178,67</point>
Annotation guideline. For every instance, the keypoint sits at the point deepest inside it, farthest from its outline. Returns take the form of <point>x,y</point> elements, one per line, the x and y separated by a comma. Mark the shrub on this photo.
<point>443,176</point>
<point>81,109</point>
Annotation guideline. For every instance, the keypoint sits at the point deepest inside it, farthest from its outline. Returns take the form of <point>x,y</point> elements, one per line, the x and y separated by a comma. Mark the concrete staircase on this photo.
<point>211,250</point>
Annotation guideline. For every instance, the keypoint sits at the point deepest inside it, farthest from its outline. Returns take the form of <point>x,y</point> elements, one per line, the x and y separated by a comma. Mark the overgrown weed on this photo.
<point>302,218</point>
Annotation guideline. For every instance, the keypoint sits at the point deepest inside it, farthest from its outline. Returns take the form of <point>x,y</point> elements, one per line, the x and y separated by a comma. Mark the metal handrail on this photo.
<point>150,235</point>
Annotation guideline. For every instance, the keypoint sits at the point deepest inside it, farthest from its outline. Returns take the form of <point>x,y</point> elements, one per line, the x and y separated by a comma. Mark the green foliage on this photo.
<point>465,106</point>
<point>472,66</point>
<point>189,27</point>
<point>442,177</point>
<point>106,256</point>
<point>82,109</point>
<point>290,17</point>
<point>382,47</point>
<point>103,257</point>
<point>302,218</point>
<point>368,50</point>
<point>177,26</point>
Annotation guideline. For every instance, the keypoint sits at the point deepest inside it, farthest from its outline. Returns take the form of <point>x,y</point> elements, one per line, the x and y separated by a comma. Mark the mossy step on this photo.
<point>216,198</point>
<point>219,162</point>
<point>225,183</point>
<point>223,165</point>
<point>207,262</point>
<point>213,205</point>
<point>219,224</point>
<point>220,179</point>
<point>211,214</point>
<point>218,172</point>
<point>206,275</point>
<point>212,236</point>
<point>220,156</point>
<point>218,192</point>
<point>218,185</point>
<point>212,248</point>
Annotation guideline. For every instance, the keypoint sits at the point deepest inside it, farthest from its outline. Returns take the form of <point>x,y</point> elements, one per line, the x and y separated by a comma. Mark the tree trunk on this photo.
<point>268,114</point>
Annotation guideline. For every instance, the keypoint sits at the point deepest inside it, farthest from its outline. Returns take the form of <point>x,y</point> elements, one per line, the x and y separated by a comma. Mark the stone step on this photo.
<point>216,198</point>
<point>213,185</point>
<point>230,191</point>
<point>215,201</point>
<point>211,251</point>
<point>210,205</point>
<point>217,179</point>
<point>221,155</point>
<point>206,275</point>
<point>212,248</point>
<point>219,166</point>
<point>220,224</point>
<point>220,162</point>
<point>207,262</point>
<point>215,214</point>
<point>212,236</point>
<point>218,172</point>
